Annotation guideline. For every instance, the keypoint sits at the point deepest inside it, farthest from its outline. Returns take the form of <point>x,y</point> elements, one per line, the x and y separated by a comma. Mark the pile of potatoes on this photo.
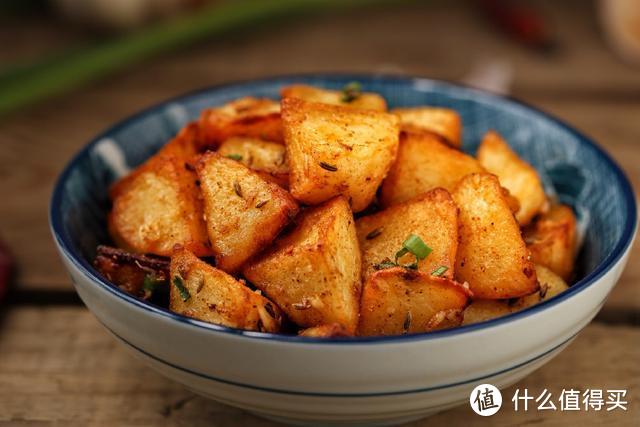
<point>328,215</point>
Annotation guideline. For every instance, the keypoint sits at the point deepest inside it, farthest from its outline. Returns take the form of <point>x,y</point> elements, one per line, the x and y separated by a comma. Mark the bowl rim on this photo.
<point>68,249</point>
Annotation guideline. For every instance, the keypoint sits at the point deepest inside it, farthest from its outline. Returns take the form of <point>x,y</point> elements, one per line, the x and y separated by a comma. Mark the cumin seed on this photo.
<point>329,167</point>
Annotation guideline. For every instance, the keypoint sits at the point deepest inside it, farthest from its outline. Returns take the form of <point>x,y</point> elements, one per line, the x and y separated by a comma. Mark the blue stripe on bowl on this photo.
<point>580,172</point>
<point>475,380</point>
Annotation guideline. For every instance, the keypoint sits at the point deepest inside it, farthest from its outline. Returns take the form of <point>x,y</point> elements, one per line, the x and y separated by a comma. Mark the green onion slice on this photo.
<point>351,91</point>
<point>439,271</point>
<point>416,246</point>
<point>184,292</point>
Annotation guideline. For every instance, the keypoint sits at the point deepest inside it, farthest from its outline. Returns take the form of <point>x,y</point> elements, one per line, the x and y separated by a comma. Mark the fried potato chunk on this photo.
<point>336,150</point>
<point>552,240</point>
<point>516,175</point>
<point>244,213</point>
<point>158,206</point>
<point>492,257</point>
<point>443,122</point>
<point>267,159</point>
<point>432,216</point>
<point>550,285</point>
<point>252,117</point>
<point>364,101</point>
<point>424,163</point>
<point>333,330</point>
<point>313,273</point>
<point>203,292</point>
<point>186,144</point>
<point>399,301</point>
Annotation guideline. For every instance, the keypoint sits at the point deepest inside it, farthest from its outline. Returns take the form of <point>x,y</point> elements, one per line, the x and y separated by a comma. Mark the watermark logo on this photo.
<point>485,400</point>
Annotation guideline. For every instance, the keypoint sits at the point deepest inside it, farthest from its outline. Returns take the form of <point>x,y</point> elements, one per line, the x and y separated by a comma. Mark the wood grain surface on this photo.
<point>58,366</point>
<point>79,375</point>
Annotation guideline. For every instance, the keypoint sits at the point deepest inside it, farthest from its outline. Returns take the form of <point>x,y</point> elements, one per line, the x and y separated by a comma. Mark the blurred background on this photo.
<point>70,68</point>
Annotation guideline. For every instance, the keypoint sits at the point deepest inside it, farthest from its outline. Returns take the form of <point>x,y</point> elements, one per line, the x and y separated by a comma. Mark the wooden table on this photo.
<point>57,365</point>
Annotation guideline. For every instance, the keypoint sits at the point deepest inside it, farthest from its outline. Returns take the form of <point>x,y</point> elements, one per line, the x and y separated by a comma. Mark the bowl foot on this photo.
<point>315,423</point>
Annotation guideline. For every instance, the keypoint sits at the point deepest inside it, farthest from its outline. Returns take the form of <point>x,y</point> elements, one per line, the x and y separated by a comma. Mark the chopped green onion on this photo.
<point>351,91</point>
<point>150,284</point>
<point>184,292</point>
<point>416,246</point>
<point>237,157</point>
<point>401,253</point>
<point>439,271</point>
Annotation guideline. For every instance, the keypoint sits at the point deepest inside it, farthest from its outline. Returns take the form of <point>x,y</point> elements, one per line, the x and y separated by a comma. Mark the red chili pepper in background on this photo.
<point>6,268</point>
<point>521,22</point>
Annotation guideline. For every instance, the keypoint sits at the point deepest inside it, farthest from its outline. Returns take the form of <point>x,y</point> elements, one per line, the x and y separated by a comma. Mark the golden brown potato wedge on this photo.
<point>253,117</point>
<point>336,150</point>
<point>399,301</point>
<point>206,293</point>
<point>492,257</point>
<point>432,216</point>
<point>268,159</point>
<point>362,100</point>
<point>333,330</point>
<point>157,207</point>
<point>243,212</point>
<point>182,148</point>
<point>550,285</point>
<point>313,273</point>
<point>516,175</point>
<point>441,121</point>
<point>186,144</point>
<point>424,163</point>
<point>552,240</point>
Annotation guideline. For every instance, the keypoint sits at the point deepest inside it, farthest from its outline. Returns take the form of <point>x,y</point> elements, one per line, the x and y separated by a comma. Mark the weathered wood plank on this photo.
<point>59,365</point>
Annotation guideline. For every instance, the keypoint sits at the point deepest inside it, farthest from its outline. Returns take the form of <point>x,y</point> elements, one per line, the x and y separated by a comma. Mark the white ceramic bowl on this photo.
<point>365,381</point>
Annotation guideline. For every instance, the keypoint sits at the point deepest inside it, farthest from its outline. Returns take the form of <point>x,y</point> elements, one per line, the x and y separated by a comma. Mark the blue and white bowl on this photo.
<point>356,380</point>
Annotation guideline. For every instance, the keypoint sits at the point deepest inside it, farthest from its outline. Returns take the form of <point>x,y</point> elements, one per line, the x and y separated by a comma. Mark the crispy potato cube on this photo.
<point>399,301</point>
<point>333,330</point>
<point>516,175</point>
<point>443,122</point>
<point>244,213</point>
<point>182,148</point>
<point>267,159</point>
<point>365,101</point>
<point>552,240</point>
<point>252,117</point>
<point>424,163</point>
<point>186,144</point>
<point>550,285</point>
<point>206,293</point>
<point>336,150</point>
<point>158,206</point>
<point>313,273</point>
<point>492,257</point>
<point>432,216</point>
